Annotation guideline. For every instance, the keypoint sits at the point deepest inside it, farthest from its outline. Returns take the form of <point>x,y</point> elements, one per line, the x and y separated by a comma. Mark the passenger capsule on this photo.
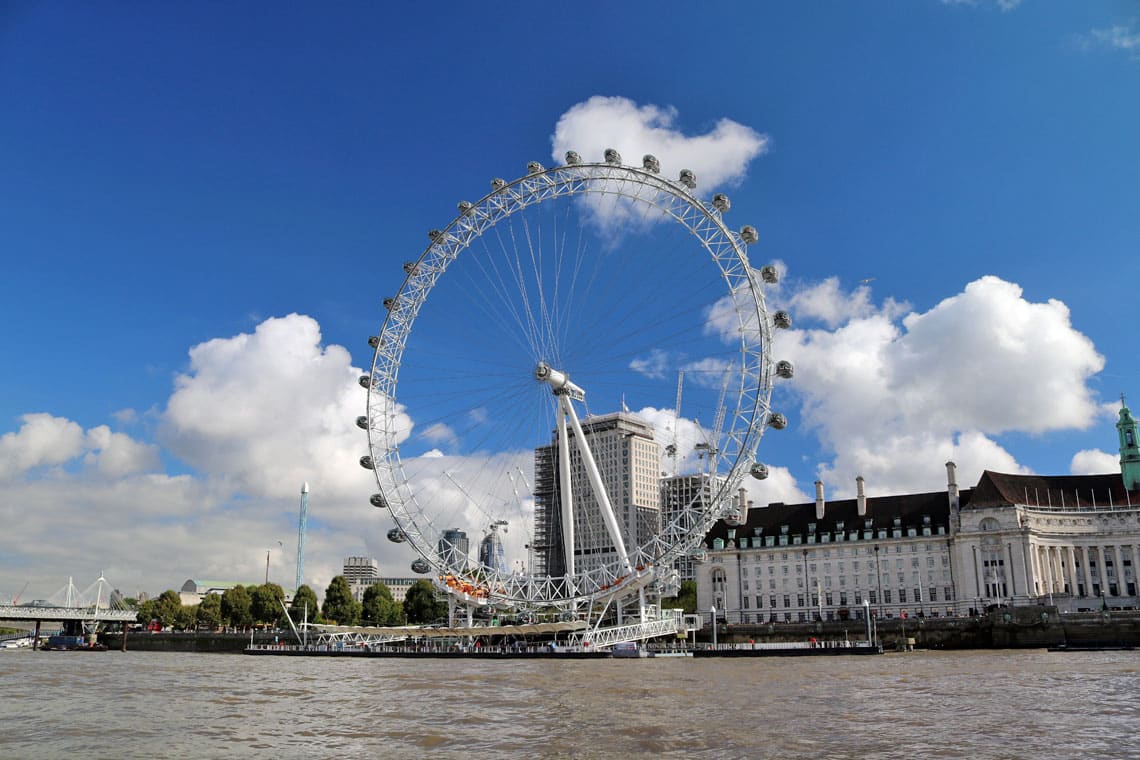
<point>572,158</point>
<point>396,536</point>
<point>777,421</point>
<point>769,274</point>
<point>411,267</point>
<point>362,422</point>
<point>366,462</point>
<point>721,202</point>
<point>759,470</point>
<point>782,320</point>
<point>365,381</point>
<point>700,557</point>
<point>688,179</point>
<point>612,156</point>
<point>534,167</point>
<point>389,303</point>
<point>734,518</point>
<point>465,207</point>
<point>377,500</point>
<point>374,341</point>
<point>650,163</point>
<point>498,184</point>
<point>748,234</point>
<point>421,566</point>
<point>436,236</point>
<point>785,369</point>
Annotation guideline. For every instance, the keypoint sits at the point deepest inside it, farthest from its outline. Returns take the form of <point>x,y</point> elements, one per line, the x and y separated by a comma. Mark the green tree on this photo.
<point>266,603</point>
<point>379,608</point>
<point>167,607</point>
<point>421,605</point>
<point>145,612</point>
<point>304,605</point>
<point>236,607</point>
<point>339,605</point>
<point>686,598</point>
<point>210,612</point>
<point>187,618</point>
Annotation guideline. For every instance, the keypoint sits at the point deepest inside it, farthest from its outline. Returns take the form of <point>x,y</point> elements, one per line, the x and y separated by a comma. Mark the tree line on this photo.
<point>252,606</point>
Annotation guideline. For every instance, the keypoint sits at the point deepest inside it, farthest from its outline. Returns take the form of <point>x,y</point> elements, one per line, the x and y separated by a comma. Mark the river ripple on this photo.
<point>922,705</point>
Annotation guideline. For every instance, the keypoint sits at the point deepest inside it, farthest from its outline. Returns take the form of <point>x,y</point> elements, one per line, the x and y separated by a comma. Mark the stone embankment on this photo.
<point>1000,628</point>
<point>1031,627</point>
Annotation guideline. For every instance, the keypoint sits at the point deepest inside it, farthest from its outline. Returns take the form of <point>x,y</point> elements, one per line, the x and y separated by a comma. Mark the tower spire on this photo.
<point>1126,428</point>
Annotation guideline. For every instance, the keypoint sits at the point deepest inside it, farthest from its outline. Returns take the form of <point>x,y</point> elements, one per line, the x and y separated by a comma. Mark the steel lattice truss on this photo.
<point>750,390</point>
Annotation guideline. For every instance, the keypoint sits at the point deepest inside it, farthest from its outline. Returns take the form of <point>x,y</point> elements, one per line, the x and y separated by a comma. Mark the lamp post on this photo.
<point>267,551</point>
<point>712,611</point>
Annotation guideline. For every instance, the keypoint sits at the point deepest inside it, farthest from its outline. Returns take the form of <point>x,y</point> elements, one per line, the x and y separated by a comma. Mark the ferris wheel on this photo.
<point>528,436</point>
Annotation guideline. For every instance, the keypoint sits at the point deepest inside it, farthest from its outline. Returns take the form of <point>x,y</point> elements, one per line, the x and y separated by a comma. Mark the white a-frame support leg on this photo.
<point>566,391</point>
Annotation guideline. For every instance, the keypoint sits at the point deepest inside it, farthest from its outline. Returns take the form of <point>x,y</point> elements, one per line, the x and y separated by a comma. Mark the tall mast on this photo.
<point>301,536</point>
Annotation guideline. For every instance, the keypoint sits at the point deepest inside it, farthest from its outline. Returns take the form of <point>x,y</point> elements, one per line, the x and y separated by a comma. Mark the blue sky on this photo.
<point>174,177</point>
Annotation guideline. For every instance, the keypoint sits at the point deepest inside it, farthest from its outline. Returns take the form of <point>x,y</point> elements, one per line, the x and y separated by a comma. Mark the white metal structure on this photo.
<point>611,274</point>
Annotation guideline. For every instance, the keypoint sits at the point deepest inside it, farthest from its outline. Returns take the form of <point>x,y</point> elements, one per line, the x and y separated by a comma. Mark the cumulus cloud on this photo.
<point>1094,462</point>
<point>827,302</point>
<point>269,410</point>
<point>893,399</point>
<point>45,441</point>
<point>41,440</point>
<point>252,417</point>
<point>719,157</point>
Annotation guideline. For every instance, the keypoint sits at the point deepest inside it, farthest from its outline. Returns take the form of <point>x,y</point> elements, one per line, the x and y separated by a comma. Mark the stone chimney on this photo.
<point>952,494</point>
<point>819,504</point>
<point>860,497</point>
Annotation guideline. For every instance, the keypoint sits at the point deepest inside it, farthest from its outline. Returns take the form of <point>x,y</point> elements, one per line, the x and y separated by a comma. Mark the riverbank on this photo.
<point>1032,627</point>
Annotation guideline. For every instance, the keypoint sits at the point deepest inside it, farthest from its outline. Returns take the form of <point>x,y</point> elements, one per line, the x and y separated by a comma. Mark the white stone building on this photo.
<point>1072,541</point>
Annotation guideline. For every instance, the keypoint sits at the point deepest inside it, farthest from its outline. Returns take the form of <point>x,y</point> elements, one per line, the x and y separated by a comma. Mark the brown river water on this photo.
<point>991,704</point>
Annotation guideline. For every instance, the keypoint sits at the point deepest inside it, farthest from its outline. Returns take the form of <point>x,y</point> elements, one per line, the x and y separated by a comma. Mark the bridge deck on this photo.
<point>9,612</point>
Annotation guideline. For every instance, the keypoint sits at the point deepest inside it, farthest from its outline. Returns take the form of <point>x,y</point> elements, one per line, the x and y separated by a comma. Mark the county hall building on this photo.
<point>1071,541</point>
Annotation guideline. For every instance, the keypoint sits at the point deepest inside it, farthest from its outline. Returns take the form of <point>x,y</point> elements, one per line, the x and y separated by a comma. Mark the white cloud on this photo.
<point>1094,462</point>
<point>718,158</point>
<point>254,416</point>
<point>116,455</point>
<point>893,400</point>
<point>827,302</point>
<point>42,440</point>
<point>269,410</point>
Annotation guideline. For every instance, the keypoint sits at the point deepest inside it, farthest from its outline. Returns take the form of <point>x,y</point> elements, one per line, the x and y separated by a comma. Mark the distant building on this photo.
<point>1072,541</point>
<point>491,553</point>
<point>194,591</point>
<point>360,572</point>
<point>454,549</point>
<point>680,496</point>
<point>630,462</point>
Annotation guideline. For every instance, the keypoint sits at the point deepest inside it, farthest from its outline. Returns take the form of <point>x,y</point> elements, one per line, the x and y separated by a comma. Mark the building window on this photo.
<point>787,600</point>
<point>887,596</point>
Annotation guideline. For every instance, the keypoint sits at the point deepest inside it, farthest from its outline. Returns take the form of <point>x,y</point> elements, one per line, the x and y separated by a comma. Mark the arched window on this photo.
<point>989,523</point>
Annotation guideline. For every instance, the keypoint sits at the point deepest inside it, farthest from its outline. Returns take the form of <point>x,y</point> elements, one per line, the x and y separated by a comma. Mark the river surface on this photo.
<point>1006,704</point>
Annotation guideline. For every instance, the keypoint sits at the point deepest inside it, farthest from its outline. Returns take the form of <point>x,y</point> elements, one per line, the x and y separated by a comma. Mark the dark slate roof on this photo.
<point>883,510</point>
<point>996,489</point>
